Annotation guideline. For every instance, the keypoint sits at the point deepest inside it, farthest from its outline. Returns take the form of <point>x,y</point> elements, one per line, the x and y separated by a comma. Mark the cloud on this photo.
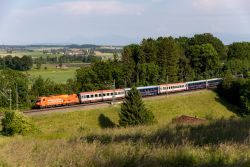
<point>94,7</point>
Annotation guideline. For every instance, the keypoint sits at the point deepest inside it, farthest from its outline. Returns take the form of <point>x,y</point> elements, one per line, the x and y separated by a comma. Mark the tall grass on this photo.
<point>173,146</point>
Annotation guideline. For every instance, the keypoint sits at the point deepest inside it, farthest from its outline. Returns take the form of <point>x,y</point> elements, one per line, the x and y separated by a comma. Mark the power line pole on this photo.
<point>113,99</point>
<point>167,83</point>
<point>6,96</point>
<point>17,98</point>
<point>10,100</point>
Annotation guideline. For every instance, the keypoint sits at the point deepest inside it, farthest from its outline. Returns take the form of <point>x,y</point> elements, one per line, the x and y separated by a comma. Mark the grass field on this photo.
<point>55,74</point>
<point>85,138</point>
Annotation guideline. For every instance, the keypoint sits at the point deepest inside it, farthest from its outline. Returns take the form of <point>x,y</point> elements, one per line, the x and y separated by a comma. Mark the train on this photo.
<point>109,95</point>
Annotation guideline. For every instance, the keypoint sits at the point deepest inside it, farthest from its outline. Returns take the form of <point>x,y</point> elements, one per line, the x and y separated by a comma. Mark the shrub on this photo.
<point>15,122</point>
<point>133,111</point>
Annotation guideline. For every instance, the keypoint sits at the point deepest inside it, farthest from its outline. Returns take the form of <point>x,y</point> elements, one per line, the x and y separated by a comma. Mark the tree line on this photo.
<point>25,63</point>
<point>16,63</point>
<point>166,60</point>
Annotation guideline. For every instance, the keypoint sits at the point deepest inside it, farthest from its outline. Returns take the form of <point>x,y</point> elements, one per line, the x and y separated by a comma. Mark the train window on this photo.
<point>111,94</point>
<point>96,95</point>
<point>87,96</point>
<point>92,95</point>
<point>107,94</point>
<point>104,94</point>
<point>100,95</point>
<point>43,99</point>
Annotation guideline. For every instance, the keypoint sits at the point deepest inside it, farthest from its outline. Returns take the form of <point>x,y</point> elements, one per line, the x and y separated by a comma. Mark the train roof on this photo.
<point>214,79</point>
<point>146,87</point>
<point>170,84</point>
<point>101,91</point>
<point>196,81</point>
<point>143,87</point>
<point>63,95</point>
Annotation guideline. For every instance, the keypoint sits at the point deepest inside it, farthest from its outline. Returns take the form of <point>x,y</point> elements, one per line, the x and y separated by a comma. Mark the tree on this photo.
<point>133,111</point>
<point>168,59</point>
<point>38,65</point>
<point>204,60</point>
<point>16,82</point>
<point>239,50</point>
<point>149,51</point>
<point>131,59</point>
<point>26,63</point>
<point>208,38</point>
<point>86,79</point>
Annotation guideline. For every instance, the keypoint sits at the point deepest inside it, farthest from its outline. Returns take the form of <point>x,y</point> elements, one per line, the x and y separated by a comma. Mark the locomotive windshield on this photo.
<point>38,100</point>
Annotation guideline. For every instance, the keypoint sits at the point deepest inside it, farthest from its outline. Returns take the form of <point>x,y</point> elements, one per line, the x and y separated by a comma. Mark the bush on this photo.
<point>15,122</point>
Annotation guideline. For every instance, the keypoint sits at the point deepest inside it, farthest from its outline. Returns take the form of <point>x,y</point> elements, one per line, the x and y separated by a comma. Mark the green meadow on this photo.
<point>59,75</point>
<point>93,138</point>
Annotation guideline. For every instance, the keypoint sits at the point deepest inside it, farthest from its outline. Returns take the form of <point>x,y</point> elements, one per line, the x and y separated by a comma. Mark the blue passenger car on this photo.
<point>212,83</point>
<point>146,90</point>
<point>202,84</point>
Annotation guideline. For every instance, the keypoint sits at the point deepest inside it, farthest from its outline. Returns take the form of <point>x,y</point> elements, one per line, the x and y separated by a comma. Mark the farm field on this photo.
<point>34,54</point>
<point>92,138</point>
<point>106,56</point>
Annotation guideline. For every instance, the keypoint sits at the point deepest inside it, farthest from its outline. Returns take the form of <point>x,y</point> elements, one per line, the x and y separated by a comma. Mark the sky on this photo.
<point>120,22</point>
